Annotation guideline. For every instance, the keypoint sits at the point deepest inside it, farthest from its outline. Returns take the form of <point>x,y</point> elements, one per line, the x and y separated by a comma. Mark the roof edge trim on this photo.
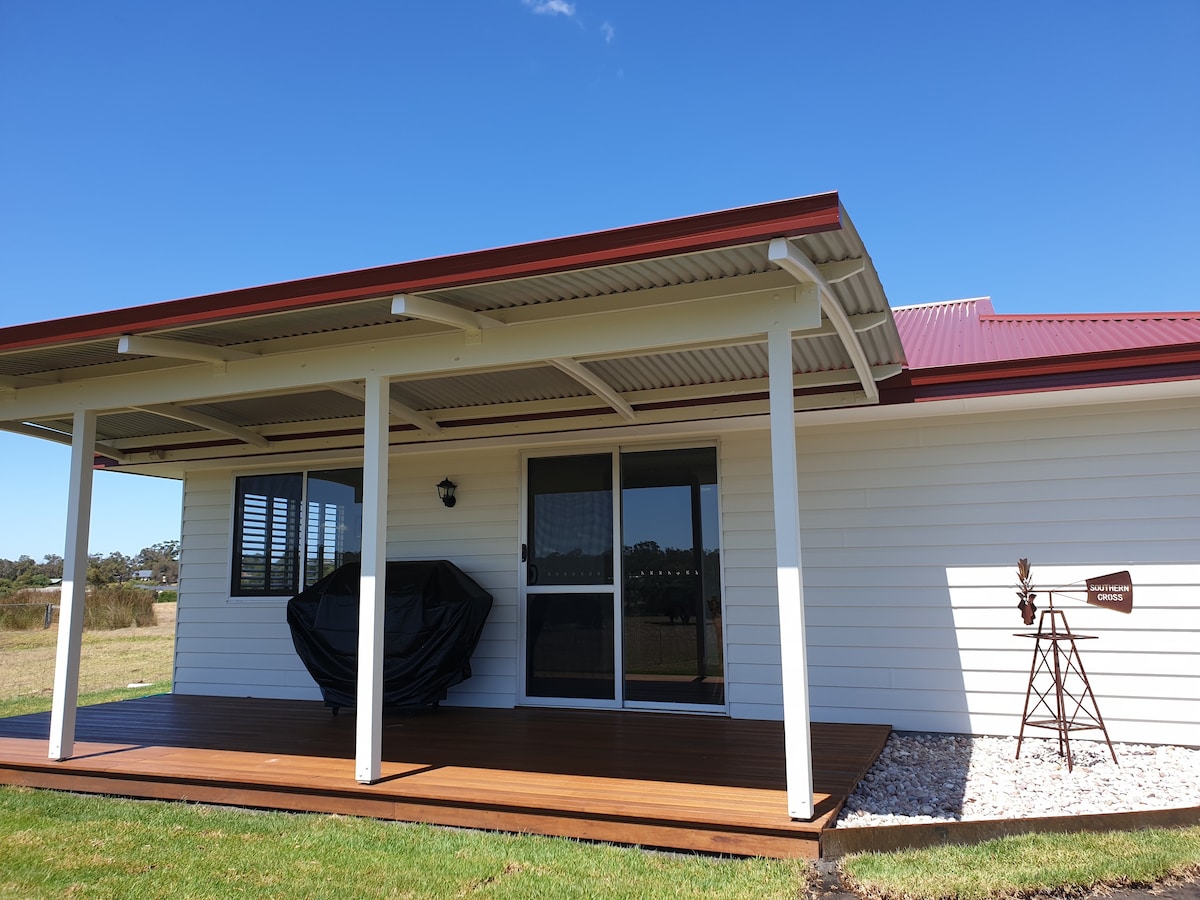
<point>707,231</point>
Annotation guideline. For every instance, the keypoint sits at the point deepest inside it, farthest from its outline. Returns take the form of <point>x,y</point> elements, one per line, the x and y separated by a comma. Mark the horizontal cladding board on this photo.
<point>770,712</point>
<point>1132,511</point>
<point>1177,527</point>
<point>244,676</point>
<point>278,692</point>
<point>197,661</point>
<point>1143,574</point>
<point>236,643</point>
<point>755,693</point>
<point>753,653</point>
<point>754,673</point>
<point>947,474</point>
<point>1065,547</point>
<point>500,699</point>
<point>484,683</point>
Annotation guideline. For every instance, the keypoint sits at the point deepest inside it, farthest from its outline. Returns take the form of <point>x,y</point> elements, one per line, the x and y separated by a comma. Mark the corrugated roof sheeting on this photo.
<point>717,365</point>
<point>311,320</point>
<point>128,424</point>
<point>282,409</point>
<point>688,268</point>
<point>966,332</point>
<point>55,359</point>
<point>482,389</point>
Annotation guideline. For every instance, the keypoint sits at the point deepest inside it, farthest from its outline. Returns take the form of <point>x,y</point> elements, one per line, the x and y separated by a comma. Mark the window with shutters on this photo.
<point>292,529</point>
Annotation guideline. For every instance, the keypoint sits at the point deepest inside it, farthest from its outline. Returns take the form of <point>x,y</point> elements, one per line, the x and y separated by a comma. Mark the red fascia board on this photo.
<point>708,231</point>
<point>903,392</point>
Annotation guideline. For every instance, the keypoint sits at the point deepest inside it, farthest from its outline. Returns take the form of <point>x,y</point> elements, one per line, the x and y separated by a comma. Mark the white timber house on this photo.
<point>701,465</point>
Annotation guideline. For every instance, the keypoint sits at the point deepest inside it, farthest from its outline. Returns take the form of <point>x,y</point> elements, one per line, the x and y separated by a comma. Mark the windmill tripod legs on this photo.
<point>1059,696</point>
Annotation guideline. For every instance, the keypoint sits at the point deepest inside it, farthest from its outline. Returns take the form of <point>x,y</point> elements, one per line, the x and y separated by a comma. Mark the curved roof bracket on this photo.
<point>788,257</point>
<point>596,385</point>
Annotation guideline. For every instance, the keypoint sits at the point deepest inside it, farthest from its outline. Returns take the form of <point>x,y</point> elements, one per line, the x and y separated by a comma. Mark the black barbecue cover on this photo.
<point>433,616</point>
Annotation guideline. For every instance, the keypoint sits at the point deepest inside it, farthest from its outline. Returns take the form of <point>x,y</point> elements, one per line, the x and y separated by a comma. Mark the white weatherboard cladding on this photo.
<point>911,530</point>
<point>243,648</point>
<point>913,563</point>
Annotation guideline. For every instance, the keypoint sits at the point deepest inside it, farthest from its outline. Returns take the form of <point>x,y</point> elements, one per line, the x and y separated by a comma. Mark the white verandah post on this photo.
<point>74,586</point>
<point>368,738</point>
<point>792,640</point>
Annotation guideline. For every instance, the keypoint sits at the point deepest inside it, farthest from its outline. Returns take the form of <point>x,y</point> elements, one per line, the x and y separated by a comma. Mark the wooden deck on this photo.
<point>684,782</point>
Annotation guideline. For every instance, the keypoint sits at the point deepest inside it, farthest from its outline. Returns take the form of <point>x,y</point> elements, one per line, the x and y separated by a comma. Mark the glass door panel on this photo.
<point>570,646</point>
<point>671,587</point>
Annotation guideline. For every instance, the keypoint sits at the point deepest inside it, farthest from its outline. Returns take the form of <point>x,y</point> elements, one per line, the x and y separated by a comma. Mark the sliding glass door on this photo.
<point>646,631</point>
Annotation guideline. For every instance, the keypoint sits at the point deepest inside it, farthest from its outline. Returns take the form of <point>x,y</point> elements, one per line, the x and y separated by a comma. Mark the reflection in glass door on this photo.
<point>671,586</point>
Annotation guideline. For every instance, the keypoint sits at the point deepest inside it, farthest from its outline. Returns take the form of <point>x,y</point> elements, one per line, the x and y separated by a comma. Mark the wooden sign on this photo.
<point>1113,591</point>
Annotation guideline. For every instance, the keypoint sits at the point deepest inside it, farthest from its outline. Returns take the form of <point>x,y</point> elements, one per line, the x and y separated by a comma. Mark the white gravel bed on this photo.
<point>950,778</point>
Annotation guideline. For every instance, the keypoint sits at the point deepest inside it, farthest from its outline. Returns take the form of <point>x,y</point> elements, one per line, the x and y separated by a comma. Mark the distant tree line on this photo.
<point>157,564</point>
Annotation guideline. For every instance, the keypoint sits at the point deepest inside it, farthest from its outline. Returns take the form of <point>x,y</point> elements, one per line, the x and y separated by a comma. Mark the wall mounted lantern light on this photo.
<point>445,490</point>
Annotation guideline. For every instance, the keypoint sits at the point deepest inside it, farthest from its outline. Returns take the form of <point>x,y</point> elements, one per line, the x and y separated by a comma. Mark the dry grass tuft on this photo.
<point>118,606</point>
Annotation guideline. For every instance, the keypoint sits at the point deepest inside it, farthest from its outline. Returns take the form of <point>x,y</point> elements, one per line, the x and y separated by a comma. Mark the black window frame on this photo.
<point>274,518</point>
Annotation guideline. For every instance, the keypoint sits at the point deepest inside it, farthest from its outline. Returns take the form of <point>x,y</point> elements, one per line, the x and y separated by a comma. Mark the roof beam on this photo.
<point>140,345</point>
<point>204,420</point>
<point>788,257</point>
<point>59,437</point>
<point>596,385</point>
<point>669,328</point>
<point>397,409</point>
<point>444,313</point>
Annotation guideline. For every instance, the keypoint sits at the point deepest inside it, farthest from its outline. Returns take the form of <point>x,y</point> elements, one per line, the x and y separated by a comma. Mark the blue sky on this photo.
<point>1044,154</point>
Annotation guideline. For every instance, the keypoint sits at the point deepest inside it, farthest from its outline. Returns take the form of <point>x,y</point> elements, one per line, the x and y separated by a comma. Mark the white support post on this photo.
<point>368,738</point>
<point>74,585</point>
<point>792,640</point>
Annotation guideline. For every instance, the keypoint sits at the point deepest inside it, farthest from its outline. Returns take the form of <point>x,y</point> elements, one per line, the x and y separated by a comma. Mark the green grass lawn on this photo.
<point>56,845</point>
<point>1030,864</point>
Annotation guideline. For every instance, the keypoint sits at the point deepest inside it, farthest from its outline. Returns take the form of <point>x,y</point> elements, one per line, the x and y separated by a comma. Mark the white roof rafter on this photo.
<point>204,420</point>
<point>472,323</point>
<point>140,345</point>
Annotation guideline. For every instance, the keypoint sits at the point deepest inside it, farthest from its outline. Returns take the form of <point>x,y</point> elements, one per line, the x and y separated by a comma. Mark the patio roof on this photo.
<point>686,268</point>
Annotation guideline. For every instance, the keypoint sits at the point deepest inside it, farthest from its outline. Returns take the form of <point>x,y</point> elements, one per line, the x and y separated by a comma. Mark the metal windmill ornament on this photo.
<point>1059,696</point>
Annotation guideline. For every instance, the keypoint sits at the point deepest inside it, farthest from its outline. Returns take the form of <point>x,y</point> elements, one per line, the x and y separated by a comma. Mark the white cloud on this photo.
<point>608,31</point>
<point>551,7</point>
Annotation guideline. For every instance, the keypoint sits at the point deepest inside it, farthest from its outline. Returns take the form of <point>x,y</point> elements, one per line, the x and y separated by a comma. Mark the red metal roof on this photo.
<point>969,332</point>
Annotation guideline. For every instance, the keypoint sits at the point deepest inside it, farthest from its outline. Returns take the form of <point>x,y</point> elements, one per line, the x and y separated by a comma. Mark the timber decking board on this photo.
<point>703,783</point>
